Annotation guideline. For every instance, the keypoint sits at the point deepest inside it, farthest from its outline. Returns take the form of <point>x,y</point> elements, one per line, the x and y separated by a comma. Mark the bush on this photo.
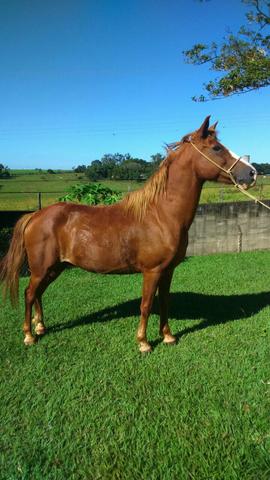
<point>91,194</point>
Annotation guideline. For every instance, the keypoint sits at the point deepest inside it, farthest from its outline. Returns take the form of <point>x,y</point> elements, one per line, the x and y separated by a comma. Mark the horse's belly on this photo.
<point>107,255</point>
<point>101,266</point>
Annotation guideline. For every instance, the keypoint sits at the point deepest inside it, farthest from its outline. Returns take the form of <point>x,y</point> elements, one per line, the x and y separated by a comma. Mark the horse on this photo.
<point>146,231</point>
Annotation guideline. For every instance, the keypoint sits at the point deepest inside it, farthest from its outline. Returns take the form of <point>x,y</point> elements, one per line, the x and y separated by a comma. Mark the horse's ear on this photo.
<point>203,130</point>
<point>214,126</point>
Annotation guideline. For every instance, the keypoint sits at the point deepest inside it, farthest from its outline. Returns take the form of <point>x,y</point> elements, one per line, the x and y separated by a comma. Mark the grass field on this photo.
<point>20,191</point>
<point>83,404</point>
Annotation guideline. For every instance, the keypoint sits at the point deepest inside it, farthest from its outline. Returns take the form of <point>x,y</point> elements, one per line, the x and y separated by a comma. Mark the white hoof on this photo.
<point>145,348</point>
<point>40,329</point>
<point>169,340</point>
<point>29,339</point>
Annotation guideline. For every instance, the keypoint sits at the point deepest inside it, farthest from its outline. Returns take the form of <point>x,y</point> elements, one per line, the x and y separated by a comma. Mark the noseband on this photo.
<point>228,171</point>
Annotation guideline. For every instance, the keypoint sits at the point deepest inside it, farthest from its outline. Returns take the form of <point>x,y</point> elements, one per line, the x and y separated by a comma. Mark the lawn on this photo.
<point>84,404</point>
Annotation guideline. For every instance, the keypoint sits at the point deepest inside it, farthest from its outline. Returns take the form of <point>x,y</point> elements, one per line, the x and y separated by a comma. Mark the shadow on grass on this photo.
<point>211,309</point>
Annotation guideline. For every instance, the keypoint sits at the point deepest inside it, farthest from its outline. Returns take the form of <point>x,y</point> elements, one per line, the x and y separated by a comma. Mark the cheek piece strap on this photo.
<point>229,173</point>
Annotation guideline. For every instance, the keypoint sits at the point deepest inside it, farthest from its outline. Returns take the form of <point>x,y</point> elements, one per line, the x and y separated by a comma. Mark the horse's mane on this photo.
<point>137,202</point>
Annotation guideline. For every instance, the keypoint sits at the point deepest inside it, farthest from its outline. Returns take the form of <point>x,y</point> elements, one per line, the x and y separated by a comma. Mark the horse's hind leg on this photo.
<point>30,298</point>
<point>38,321</point>
<point>33,294</point>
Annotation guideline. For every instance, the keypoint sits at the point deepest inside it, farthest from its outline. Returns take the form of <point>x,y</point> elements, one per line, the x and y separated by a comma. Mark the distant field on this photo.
<point>12,191</point>
<point>21,191</point>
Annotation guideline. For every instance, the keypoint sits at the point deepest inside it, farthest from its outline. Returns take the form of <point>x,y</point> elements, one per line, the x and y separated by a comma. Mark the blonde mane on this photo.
<point>139,201</point>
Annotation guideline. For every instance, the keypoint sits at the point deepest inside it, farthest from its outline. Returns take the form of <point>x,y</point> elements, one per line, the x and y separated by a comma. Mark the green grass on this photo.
<point>83,404</point>
<point>217,192</point>
<point>19,192</point>
<point>12,198</point>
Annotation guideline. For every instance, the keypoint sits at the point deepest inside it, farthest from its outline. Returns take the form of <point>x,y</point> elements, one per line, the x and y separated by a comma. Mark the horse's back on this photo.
<point>95,238</point>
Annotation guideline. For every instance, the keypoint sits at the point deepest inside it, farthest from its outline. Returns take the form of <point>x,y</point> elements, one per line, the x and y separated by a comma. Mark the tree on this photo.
<point>122,167</point>
<point>262,168</point>
<point>243,60</point>
<point>157,159</point>
<point>96,171</point>
<point>4,171</point>
<point>80,169</point>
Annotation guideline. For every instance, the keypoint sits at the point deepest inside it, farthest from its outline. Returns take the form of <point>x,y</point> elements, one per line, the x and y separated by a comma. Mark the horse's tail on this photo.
<point>11,264</point>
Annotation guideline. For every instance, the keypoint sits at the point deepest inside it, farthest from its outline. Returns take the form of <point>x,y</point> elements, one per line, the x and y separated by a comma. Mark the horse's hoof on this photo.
<point>29,340</point>
<point>40,329</point>
<point>170,341</point>
<point>145,349</point>
<point>145,353</point>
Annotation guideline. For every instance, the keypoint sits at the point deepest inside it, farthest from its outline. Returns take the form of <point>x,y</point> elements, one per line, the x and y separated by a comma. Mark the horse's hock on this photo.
<point>229,227</point>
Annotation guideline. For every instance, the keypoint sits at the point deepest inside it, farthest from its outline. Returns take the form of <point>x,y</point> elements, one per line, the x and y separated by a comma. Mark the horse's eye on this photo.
<point>217,148</point>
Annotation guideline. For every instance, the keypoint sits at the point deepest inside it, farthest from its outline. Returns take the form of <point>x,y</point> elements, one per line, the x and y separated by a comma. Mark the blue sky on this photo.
<point>83,78</point>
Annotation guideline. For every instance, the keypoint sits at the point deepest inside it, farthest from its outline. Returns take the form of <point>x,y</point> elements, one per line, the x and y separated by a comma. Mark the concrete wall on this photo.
<point>217,227</point>
<point>229,227</point>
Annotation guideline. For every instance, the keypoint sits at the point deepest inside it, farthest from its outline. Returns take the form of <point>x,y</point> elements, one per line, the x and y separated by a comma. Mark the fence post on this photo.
<point>39,201</point>
<point>221,195</point>
<point>261,192</point>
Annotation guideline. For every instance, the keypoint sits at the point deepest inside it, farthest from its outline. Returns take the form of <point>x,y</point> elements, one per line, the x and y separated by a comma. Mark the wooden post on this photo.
<point>221,194</point>
<point>39,201</point>
<point>261,191</point>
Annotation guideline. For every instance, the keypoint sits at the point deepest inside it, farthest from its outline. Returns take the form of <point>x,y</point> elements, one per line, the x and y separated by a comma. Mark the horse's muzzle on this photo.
<point>245,174</point>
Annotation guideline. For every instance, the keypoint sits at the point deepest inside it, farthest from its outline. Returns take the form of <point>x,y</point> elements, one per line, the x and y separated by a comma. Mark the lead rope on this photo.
<point>228,172</point>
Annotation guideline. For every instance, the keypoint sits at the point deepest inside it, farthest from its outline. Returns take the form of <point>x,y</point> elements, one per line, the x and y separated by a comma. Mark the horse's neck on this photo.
<point>183,192</point>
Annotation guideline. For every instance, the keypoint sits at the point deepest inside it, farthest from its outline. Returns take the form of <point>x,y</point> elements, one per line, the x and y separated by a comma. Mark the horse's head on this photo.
<point>213,161</point>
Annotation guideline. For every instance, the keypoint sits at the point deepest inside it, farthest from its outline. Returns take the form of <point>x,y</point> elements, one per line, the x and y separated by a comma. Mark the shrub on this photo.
<point>91,194</point>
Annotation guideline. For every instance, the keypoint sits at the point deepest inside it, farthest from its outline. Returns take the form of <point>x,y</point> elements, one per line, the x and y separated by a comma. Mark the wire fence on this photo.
<point>211,193</point>
<point>22,200</point>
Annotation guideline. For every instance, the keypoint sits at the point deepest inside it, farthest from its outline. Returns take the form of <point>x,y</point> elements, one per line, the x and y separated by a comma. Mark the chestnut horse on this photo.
<point>145,232</point>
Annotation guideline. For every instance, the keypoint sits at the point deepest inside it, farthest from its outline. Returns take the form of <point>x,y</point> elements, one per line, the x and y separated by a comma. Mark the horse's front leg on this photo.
<point>163,296</point>
<point>150,283</point>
